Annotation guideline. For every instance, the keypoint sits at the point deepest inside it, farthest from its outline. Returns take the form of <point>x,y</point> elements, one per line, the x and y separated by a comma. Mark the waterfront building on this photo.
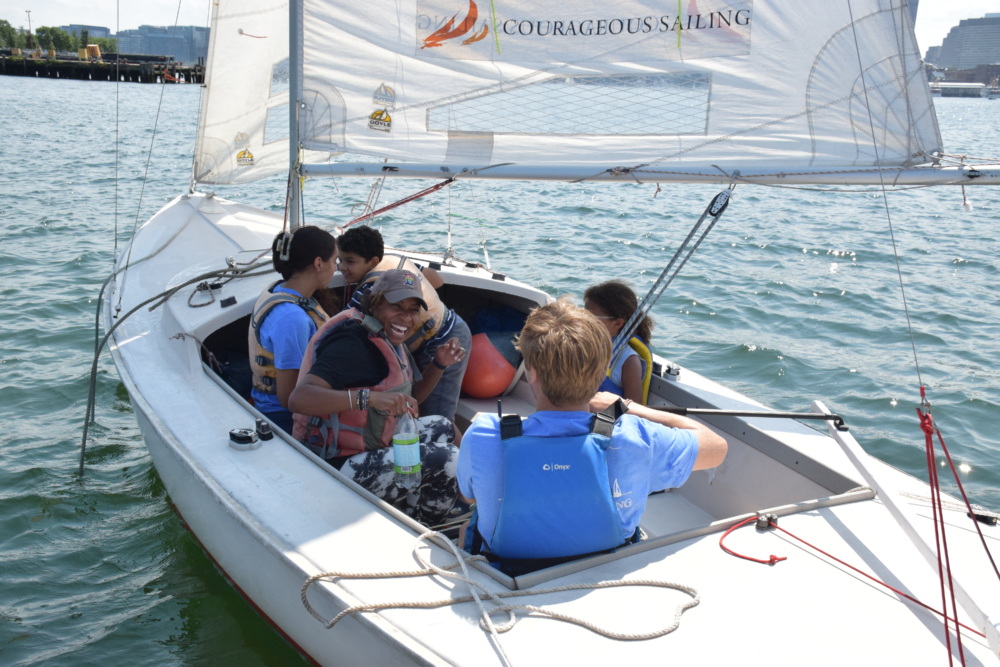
<point>185,44</point>
<point>93,31</point>
<point>972,42</point>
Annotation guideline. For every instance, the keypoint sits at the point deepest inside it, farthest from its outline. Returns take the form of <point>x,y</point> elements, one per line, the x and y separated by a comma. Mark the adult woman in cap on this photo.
<point>358,378</point>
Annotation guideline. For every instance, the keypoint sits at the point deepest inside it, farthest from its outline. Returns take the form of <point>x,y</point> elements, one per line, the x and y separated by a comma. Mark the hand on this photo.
<point>392,402</point>
<point>450,353</point>
<point>602,400</point>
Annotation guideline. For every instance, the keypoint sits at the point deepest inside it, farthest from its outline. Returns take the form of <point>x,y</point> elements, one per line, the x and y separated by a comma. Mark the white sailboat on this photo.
<point>739,92</point>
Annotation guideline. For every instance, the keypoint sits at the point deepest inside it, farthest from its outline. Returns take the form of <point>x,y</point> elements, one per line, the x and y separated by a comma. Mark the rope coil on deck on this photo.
<point>500,607</point>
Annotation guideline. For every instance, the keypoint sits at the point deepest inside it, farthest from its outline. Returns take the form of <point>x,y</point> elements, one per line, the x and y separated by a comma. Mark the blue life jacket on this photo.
<point>557,501</point>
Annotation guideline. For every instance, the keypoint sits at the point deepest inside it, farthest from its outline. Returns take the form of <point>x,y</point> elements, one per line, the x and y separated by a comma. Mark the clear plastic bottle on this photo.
<point>406,452</point>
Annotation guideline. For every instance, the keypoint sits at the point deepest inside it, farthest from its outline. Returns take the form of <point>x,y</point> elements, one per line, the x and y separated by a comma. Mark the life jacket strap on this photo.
<point>510,427</point>
<point>604,423</point>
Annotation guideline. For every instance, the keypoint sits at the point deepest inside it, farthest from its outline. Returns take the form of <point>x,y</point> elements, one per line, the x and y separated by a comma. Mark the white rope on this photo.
<point>959,507</point>
<point>486,621</point>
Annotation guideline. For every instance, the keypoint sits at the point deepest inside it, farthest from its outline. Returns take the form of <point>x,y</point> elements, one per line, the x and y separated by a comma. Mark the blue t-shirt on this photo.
<point>643,456</point>
<point>285,333</point>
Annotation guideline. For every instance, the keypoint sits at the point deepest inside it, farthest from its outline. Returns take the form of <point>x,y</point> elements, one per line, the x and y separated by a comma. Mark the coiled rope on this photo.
<point>500,607</point>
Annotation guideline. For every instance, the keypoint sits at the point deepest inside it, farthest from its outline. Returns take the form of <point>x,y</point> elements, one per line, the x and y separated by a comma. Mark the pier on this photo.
<point>137,72</point>
<point>958,89</point>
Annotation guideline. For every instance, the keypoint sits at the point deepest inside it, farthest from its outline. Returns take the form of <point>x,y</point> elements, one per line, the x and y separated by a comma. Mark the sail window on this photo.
<point>276,124</point>
<point>633,104</point>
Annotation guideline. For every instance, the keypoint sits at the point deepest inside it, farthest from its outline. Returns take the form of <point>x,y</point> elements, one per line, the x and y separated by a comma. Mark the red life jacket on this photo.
<point>353,431</point>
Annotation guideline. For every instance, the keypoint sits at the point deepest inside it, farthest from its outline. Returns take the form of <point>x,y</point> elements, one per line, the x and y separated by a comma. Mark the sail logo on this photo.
<point>380,121</point>
<point>466,30</point>
<point>626,31</point>
<point>242,140</point>
<point>384,96</point>
<point>621,501</point>
<point>244,158</point>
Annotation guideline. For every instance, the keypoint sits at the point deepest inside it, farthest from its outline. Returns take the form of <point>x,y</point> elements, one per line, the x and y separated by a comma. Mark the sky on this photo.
<point>934,17</point>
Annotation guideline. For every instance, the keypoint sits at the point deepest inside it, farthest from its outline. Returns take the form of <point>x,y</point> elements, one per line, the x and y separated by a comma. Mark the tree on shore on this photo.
<point>55,38</point>
<point>107,44</point>
<point>8,35</point>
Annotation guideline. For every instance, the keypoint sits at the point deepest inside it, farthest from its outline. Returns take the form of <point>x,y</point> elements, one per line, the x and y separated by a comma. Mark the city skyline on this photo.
<point>935,17</point>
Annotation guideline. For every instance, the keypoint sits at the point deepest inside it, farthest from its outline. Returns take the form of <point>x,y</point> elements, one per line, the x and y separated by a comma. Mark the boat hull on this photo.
<point>273,516</point>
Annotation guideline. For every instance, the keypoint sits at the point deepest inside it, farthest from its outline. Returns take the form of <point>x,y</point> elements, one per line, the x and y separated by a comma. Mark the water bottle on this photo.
<point>406,452</point>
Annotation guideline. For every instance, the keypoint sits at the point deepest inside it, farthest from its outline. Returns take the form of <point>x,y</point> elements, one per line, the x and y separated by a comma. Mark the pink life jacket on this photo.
<point>353,431</point>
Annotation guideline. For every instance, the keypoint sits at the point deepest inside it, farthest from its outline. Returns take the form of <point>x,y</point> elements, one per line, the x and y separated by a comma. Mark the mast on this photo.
<point>294,196</point>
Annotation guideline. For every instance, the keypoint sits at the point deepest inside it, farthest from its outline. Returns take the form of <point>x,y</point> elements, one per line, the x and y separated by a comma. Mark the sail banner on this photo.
<point>616,85</point>
<point>633,32</point>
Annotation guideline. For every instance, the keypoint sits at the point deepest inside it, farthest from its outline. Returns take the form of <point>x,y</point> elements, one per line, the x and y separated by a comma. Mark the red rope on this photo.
<point>834,558</point>
<point>770,561</point>
<point>940,537</point>
<point>961,488</point>
<point>405,200</point>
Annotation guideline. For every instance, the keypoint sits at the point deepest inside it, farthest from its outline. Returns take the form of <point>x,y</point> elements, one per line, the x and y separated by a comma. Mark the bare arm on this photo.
<point>284,383</point>
<point>632,379</point>
<point>314,396</point>
<point>712,447</point>
<point>450,353</point>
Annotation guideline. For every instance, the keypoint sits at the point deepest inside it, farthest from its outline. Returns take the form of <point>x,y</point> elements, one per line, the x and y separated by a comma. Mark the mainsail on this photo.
<point>763,83</point>
<point>774,85</point>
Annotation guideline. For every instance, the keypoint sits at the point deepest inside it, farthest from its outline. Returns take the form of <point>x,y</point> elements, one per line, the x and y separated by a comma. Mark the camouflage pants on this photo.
<point>433,502</point>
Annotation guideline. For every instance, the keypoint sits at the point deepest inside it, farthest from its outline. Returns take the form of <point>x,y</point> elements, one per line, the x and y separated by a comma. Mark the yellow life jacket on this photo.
<point>429,321</point>
<point>353,431</point>
<point>647,368</point>
<point>646,356</point>
<point>262,359</point>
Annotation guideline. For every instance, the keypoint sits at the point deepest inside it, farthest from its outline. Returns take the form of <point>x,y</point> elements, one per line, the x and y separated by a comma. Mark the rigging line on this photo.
<point>482,227</point>
<point>201,100</point>
<point>713,211</point>
<point>944,560</point>
<point>771,523</point>
<point>885,196</point>
<point>940,536</point>
<point>118,83</point>
<point>805,188</point>
<point>374,192</point>
<point>400,202</point>
<point>230,272</point>
<point>149,159</point>
<point>928,420</point>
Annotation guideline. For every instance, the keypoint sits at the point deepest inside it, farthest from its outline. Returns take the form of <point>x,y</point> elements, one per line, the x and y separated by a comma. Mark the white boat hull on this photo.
<point>273,516</point>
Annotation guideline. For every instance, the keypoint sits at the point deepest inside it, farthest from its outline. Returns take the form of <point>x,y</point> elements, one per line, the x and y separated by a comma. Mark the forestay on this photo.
<point>704,82</point>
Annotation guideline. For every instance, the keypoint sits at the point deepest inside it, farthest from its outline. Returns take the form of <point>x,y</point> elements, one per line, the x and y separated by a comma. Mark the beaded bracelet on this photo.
<point>362,399</point>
